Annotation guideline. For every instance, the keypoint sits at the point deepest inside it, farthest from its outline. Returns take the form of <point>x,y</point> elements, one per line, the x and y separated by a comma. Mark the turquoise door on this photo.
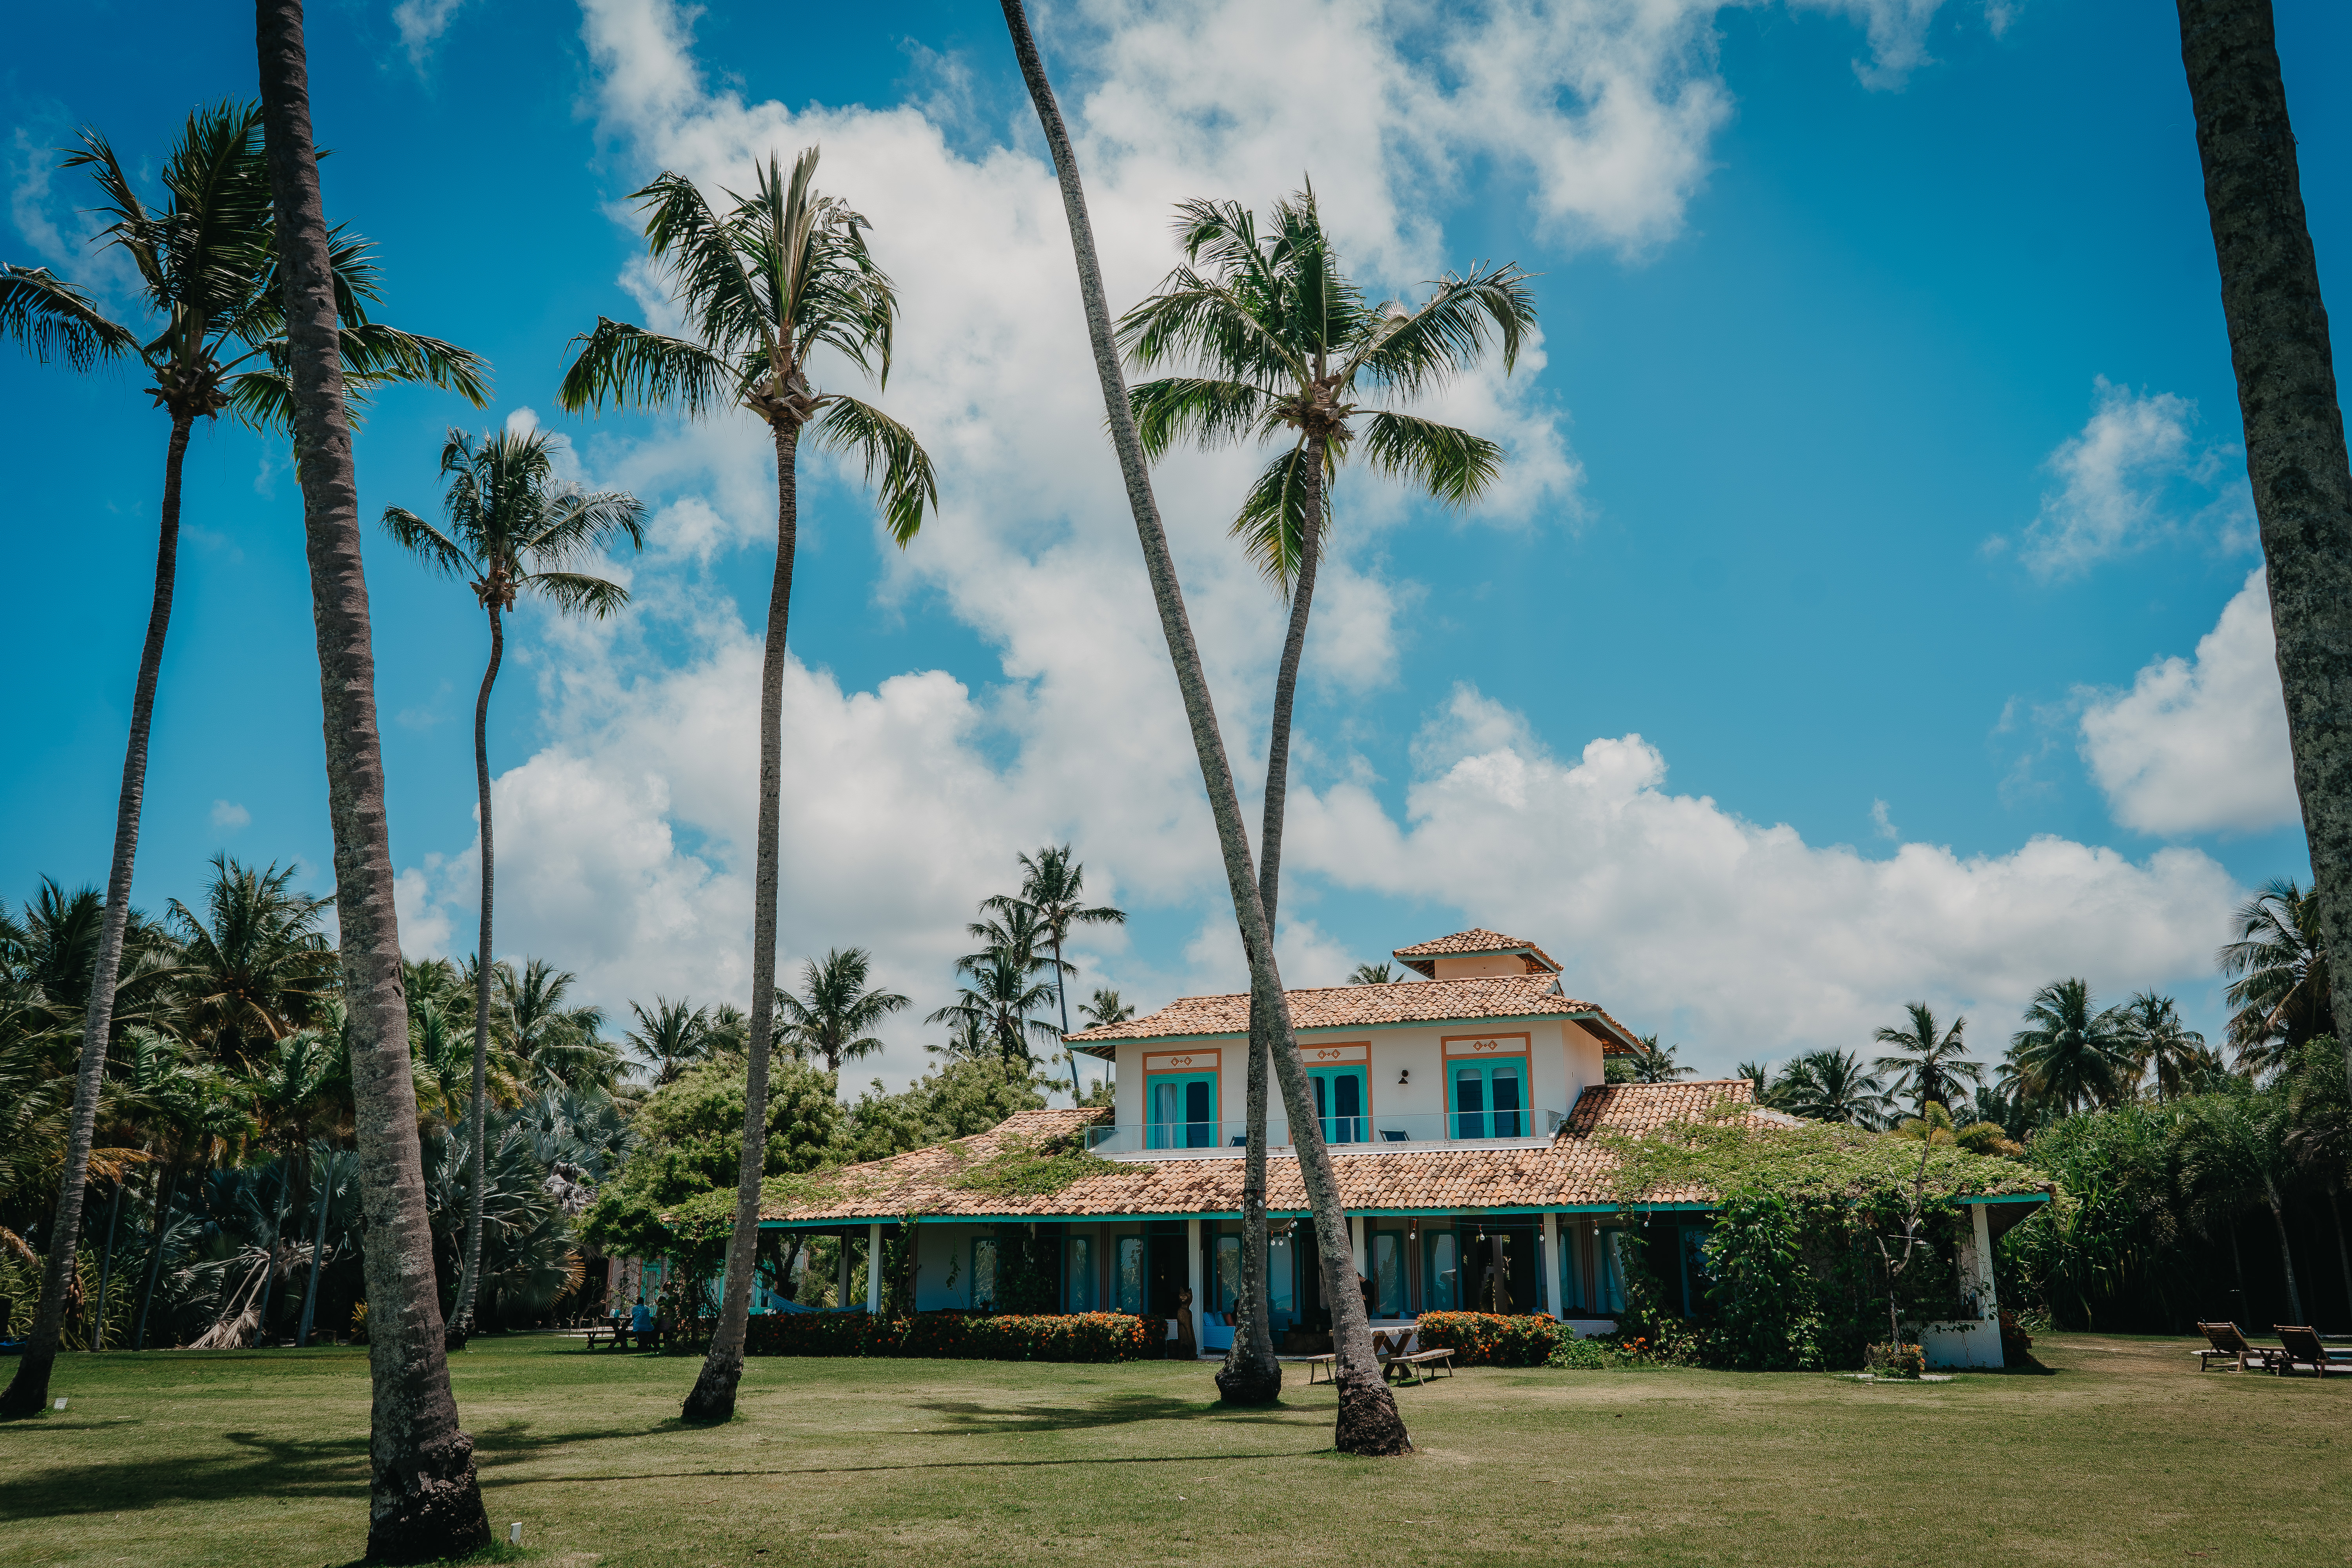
<point>1182,1111</point>
<point>1131,1274</point>
<point>1388,1273</point>
<point>1489,1099</point>
<point>1441,1285</point>
<point>1081,1274</point>
<point>1340,1103</point>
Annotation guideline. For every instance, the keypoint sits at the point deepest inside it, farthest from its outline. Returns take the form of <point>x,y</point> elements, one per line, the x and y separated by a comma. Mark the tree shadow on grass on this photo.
<point>968,1418</point>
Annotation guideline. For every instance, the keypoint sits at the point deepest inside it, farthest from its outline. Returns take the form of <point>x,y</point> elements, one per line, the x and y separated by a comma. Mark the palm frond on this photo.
<point>1272,525</point>
<point>51,318</point>
<point>575,592</point>
<point>634,367</point>
<point>441,555</point>
<point>577,523</point>
<point>708,275</point>
<point>1205,412</point>
<point>1416,351</point>
<point>376,353</point>
<point>1451,464</point>
<point>907,485</point>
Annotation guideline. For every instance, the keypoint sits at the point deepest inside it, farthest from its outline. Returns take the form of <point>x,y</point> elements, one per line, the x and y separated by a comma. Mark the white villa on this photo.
<point>1462,1111</point>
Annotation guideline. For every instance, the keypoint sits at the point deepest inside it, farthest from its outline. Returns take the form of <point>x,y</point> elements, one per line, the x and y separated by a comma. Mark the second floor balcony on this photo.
<point>1509,1129</point>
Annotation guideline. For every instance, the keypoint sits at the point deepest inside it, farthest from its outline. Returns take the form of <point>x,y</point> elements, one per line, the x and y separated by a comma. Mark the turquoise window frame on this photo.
<point>1337,1128</point>
<point>983,1244</point>
<point>1194,1134</point>
<point>1081,1281</point>
<point>1485,1121</point>
<point>1441,1288</point>
<point>1130,1287</point>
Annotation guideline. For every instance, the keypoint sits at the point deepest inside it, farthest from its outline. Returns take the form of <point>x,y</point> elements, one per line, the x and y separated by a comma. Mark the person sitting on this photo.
<point>641,1324</point>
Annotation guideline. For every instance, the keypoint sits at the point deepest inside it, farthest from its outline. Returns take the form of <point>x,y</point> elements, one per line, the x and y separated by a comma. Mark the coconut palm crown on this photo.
<point>834,1015</point>
<point>2277,970</point>
<point>2071,1054</point>
<point>1928,1061</point>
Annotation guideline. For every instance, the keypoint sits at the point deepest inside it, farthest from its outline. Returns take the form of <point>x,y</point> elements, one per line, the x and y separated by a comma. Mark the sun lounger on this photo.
<point>2301,1348</point>
<point>2224,1341</point>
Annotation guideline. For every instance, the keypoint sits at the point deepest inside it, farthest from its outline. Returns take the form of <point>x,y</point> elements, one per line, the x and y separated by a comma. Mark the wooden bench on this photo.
<point>1421,1363</point>
<point>614,1334</point>
<point>1328,1364</point>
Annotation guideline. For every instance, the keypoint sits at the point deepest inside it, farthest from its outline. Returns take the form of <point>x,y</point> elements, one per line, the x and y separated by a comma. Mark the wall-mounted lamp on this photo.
<point>1404,1075</point>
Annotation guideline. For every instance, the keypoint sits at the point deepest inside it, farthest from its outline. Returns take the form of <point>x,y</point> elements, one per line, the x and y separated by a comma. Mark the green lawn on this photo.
<point>2124,1455</point>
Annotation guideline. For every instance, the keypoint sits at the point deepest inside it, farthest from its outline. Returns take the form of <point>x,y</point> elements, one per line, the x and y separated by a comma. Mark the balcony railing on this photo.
<point>1346,1135</point>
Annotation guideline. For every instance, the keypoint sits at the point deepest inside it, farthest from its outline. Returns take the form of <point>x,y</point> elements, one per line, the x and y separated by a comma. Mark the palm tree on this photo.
<point>2295,458</point>
<point>558,1043</point>
<point>2162,1045</point>
<point>423,1501</point>
<point>1367,1422</point>
<point>515,530</point>
<point>1104,1008</point>
<point>209,272</point>
<point>1653,1063</point>
<point>2070,1053</point>
<point>672,1037</point>
<point>1053,891</point>
<point>995,1002</point>
<point>1758,1073</point>
<point>1279,345</point>
<point>836,1008</point>
<point>1832,1085</point>
<point>2232,1152</point>
<point>257,966</point>
<point>779,275</point>
<point>1928,1061</point>
<point>1373,975</point>
<point>2278,978</point>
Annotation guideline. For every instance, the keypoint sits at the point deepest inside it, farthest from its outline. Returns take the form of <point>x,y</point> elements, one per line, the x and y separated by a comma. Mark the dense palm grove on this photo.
<point>224,1200</point>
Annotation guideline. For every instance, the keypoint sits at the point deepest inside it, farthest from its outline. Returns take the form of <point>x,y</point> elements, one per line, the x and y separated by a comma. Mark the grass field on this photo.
<point>2125,1455</point>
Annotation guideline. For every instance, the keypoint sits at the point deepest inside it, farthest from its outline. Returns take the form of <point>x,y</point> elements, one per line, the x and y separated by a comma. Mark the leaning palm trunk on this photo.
<point>29,1391</point>
<point>2286,1254</point>
<point>422,1500</point>
<point>461,1322</point>
<point>1368,1420</point>
<point>713,1398</point>
<point>1252,1376</point>
<point>2295,428</point>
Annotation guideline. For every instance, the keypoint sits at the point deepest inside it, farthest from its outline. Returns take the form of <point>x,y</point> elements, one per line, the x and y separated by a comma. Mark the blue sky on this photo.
<point>1864,615</point>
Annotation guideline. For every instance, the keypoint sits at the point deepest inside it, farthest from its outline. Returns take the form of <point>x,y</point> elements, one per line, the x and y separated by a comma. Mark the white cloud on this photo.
<point>228,817</point>
<point>2199,745</point>
<point>1883,821</point>
<point>624,844</point>
<point>421,24</point>
<point>2133,476</point>
<point>1664,905</point>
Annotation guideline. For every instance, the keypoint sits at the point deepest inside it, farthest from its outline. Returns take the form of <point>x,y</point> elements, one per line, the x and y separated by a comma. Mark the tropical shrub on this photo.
<point>1586,1354</point>
<point>1761,1292</point>
<point>953,1335</point>
<point>1491,1339</point>
<point>1898,1361</point>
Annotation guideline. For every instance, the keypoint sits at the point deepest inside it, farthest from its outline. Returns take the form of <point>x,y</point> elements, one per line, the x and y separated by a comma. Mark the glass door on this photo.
<point>1388,1273</point>
<point>1489,1099</point>
<point>1441,1290</point>
<point>1081,1274</point>
<point>1129,1282</point>
<point>1342,1102</point>
<point>1181,1111</point>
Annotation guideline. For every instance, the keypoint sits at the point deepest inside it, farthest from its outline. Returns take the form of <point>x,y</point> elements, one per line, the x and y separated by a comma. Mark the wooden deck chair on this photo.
<point>2303,1349</point>
<point>2224,1341</point>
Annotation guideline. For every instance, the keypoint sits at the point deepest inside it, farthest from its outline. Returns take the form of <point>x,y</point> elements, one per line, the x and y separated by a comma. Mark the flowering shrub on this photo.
<point>958,1336</point>
<point>1490,1339</point>
<point>1589,1354</point>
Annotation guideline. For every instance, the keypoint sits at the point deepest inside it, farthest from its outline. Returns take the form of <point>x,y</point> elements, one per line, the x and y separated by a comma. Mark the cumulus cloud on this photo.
<point>421,24</point>
<point>1664,904</point>
<point>228,817</point>
<point>625,843</point>
<point>2132,476</point>
<point>2199,745</point>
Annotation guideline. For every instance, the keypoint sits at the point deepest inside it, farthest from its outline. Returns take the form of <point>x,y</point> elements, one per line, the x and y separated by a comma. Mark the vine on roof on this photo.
<point>1034,1168</point>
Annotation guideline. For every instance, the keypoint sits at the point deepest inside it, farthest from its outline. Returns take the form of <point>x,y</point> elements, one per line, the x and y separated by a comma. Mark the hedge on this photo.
<point>955,1335</point>
<point>1490,1339</point>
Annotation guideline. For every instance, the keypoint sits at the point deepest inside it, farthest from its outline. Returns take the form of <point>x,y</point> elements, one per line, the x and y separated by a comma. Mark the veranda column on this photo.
<point>874,1269</point>
<point>1979,1264</point>
<point>1199,1295</point>
<point>1552,1299</point>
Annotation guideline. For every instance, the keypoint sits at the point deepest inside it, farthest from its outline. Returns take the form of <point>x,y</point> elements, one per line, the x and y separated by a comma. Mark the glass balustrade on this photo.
<point>1344,1134</point>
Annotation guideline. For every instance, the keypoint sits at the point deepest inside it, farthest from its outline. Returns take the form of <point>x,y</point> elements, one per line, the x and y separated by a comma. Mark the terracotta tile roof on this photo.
<point>1574,1168</point>
<point>1423,956</point>
<point>1369,1007</point>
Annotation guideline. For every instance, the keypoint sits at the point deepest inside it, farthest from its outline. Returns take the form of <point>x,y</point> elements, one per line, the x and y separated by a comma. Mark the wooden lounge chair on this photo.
<point>2303,1349</point>
<point>2224,1341</point>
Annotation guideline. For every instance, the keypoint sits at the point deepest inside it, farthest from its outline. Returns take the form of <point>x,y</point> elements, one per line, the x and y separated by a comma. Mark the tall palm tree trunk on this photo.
<point>29,1391</point>
<point>1368,1421</point>
<point>1252,1376</point>
<point>461,1322</point>
<point>2295,427</point>
<point>155,1251</point>
<point>318,1247</point>
<point>2286,1256</point>
<point>1061,995</point>
<point>422,1499</point>
<point>713,1398</point>
<point>270,1265</point>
